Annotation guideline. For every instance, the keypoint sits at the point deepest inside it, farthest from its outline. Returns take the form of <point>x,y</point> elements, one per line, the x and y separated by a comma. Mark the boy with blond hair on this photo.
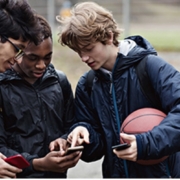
<point>93,33</point>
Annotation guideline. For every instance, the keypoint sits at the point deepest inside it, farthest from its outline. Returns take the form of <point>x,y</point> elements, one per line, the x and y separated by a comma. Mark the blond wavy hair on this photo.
<point>88,23</point>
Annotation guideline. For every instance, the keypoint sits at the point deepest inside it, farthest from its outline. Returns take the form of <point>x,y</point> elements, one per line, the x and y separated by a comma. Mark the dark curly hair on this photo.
<point>18,20</point>
<point>45,31</point>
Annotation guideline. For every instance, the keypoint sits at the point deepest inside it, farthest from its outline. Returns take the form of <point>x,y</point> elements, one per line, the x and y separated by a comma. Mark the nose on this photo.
<point>84,58</point>
<point>40,64</point>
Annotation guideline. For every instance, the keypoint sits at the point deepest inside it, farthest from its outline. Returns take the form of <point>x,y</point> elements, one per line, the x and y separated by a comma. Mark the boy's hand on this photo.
<point>58,145</point>
<point>129,153</point>
<point>7,170</point>
<point>78,136</point>
<point>56,161</point>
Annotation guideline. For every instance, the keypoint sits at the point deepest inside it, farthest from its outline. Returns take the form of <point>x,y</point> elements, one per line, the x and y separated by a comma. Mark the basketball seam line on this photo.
<point>141,116</point>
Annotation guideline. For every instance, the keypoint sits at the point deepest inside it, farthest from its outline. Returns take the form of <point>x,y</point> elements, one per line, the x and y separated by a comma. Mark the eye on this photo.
<point>32,57</point>
<point>48,57</point>
<point>89,49</point>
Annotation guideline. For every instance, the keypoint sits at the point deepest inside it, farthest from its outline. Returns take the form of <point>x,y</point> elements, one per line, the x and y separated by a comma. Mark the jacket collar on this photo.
<point>11,74</point>
<point>123,62</point>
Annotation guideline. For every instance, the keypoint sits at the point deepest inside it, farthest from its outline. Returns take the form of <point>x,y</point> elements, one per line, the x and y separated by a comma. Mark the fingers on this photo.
<point>70,160</point>
<point>125,154</point>
<point>2,156</point>
<point>129,153</point>
<point>58,145</point>
<point>8,174</point>
<point>127,138</point>
<point>56,154</point>
<point>56,161</point>
<point>76,159</point>
<point>52,146</point>
<point>8,171</point>
<point>61,164</point>
<point>73,138</point>
<point>86,136</point>
<point>78,136</point>
<point>13,169</point>
<point>63,146</point>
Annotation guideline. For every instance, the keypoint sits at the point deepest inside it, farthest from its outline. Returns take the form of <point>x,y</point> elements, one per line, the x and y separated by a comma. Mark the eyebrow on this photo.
<point>32,54</point>
<point>49,53</point>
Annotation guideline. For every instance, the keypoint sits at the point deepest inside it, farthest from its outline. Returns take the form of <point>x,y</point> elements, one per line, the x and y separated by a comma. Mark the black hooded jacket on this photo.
<point>31,116</point>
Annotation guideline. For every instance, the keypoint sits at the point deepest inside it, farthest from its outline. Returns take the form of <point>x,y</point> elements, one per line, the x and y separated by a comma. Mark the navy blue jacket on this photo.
<point>31,116</point>
<point>114,97</point>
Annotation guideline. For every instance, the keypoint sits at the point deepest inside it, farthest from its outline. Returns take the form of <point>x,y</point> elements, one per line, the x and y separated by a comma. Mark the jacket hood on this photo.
<point>125,46</point>
<point>131,50</point>
<point>137,53</point>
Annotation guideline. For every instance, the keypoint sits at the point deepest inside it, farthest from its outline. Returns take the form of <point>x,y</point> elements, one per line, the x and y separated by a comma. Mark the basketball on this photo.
<point>140,121</point>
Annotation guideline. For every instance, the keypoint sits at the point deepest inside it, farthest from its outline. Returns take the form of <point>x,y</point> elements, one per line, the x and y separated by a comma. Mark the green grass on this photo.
<point>162,40</point>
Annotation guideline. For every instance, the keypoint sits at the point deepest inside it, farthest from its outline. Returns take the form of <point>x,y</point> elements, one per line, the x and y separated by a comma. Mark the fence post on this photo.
<point>126,17</point>
<point>51,13</point>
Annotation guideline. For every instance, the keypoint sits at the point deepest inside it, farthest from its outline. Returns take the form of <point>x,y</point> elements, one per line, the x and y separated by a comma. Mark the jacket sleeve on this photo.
<point>68,115</point>
<point>162,140</point>
<point>4,149</point>
<point>86,116</point>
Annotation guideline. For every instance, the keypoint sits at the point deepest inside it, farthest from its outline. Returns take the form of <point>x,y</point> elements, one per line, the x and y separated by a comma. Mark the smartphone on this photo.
<point>18,161</point>
<point>121,146</point>
<point>73,149</point>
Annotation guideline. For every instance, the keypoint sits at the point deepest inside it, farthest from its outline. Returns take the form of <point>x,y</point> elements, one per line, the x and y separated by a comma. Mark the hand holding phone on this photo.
<point>121,146</point>
<point>73,149</point>
<point>18,161</point>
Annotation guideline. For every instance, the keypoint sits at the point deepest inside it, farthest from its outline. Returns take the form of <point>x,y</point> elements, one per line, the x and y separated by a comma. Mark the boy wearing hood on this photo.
<point>93,33</point>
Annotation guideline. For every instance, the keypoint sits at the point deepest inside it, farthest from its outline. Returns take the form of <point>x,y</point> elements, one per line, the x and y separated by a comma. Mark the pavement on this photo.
<point>86,170</point>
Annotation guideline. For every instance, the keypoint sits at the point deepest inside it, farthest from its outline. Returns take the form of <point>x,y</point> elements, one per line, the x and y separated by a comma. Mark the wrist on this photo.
<point>38,164</point>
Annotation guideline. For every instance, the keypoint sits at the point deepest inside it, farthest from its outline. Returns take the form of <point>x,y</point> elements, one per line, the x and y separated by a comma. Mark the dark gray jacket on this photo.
<point>114,96</point>
<point>31,116</point>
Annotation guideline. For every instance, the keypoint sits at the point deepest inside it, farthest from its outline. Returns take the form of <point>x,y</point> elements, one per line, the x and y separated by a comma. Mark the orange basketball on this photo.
<point>140,121</point>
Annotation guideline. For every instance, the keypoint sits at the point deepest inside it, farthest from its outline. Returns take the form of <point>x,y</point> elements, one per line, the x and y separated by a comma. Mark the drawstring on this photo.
<point>126,169</point>
<point>118,123</point>
<point>167,168</point>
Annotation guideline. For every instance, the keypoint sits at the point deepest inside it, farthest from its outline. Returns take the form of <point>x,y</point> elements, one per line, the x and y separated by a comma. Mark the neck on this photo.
<point>112,58</point>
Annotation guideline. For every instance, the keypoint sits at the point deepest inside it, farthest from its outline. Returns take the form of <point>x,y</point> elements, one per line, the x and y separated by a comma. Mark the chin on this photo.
<point>95,68</point>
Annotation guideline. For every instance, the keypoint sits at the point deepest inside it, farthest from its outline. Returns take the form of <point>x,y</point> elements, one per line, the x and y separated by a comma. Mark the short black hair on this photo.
<point>46,31</point>
<point>18,20</point>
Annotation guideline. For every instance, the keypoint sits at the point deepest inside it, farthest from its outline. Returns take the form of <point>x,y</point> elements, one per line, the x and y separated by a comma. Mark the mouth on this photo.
<point>38,74</point>
<point>91,64</point>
